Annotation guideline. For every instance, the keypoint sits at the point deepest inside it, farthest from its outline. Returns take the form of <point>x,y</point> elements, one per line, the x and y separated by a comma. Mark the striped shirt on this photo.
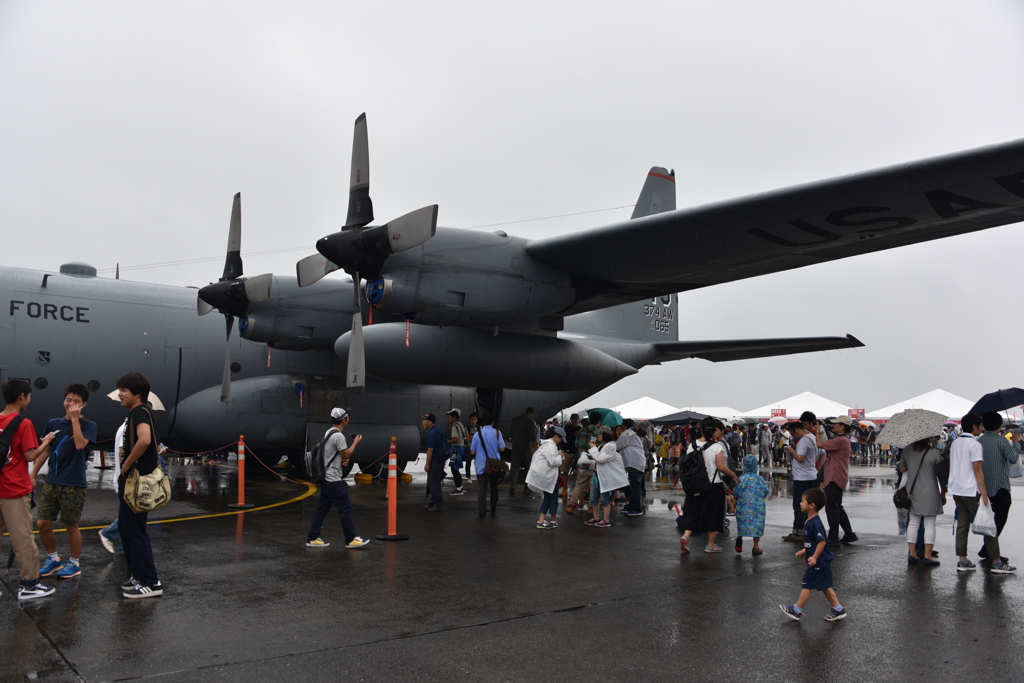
<point>999,455</point>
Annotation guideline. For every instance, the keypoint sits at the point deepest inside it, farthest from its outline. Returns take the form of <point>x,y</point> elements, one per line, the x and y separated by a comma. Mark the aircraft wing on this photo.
<point>741,349</point>
<point>677,251</point>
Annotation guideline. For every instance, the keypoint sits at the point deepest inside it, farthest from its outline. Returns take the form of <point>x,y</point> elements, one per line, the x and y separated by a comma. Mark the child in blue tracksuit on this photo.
<point>818,574</point>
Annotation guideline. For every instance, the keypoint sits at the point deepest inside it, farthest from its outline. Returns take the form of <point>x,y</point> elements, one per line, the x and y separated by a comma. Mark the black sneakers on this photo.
<point>140,591</point>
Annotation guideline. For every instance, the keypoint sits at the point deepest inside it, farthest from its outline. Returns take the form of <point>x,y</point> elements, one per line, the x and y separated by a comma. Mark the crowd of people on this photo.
<point>595,467</point>
<point>64,447</point>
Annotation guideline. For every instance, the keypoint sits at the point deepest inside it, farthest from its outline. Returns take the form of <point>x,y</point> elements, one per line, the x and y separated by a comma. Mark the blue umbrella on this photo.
<point>1004,399</point>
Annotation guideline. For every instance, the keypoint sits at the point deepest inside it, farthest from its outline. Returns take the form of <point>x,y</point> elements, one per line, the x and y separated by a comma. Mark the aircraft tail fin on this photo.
<point>658,194</point>
<point>649,320</point>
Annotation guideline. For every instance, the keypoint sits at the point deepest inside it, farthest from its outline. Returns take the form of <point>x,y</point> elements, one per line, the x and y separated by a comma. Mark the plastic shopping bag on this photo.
<point>984,522</point>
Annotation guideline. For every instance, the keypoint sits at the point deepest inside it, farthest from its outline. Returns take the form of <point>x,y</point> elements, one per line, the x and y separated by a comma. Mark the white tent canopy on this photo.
<point>645,408</point>
<point>714,411</point>
<point>794,405</point>
<point>939,401</point>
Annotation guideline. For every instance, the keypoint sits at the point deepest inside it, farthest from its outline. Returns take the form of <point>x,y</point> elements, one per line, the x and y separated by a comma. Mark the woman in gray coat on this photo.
<point>918,461</point>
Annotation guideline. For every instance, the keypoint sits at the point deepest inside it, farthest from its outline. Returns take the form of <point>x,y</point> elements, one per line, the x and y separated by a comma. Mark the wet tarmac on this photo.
<point>496,599</point>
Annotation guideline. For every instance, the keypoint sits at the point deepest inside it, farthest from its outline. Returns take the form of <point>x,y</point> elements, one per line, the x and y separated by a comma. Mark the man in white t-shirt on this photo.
<point>967,486</point>
<point>333,491</point>
<point>805,474</point>
<point>110,534</point>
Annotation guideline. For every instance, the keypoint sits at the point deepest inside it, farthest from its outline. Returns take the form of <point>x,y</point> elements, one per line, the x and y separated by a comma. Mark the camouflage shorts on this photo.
<point>65,501</point>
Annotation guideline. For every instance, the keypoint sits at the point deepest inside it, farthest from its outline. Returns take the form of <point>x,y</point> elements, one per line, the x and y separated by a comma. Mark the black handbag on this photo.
<point>901,499</point>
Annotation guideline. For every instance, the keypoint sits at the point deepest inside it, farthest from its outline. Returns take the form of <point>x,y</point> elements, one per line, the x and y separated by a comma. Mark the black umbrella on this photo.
<point>681,417</point>
<point>1004,399</point>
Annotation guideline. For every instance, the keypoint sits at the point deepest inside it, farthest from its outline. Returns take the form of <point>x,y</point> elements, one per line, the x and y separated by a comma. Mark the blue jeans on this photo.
<point>549,506</point>
<point>636,478</point>
<point>597,497</point>
<point>800,487</point>
<point>112,533</point>
<point>332,493</point>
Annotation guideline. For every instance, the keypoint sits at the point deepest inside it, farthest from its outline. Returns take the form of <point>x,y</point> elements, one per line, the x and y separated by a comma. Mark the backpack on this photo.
<point>693,472</point>
<point>315,466</point>
<point>7,435</point>
<point>446,448</point>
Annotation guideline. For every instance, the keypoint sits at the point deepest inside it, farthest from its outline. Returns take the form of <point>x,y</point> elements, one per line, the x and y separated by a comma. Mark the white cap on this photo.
<point>339,414</point>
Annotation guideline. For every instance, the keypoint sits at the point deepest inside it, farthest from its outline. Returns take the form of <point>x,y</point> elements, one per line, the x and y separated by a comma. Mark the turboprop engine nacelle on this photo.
<point>473,357</point>
<point>467,277</point>
<point>298,319</point>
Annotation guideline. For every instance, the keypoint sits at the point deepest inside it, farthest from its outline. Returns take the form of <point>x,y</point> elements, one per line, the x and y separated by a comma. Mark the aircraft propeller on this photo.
<point>362,248</point>
<point>232,294</point>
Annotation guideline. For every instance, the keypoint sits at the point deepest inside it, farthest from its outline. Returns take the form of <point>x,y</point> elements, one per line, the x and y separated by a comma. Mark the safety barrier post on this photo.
<point>103,462</point>
<point>241,504</point>
<point>392,534</point>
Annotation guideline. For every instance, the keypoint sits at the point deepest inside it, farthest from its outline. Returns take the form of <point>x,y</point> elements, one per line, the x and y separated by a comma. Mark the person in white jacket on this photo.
<point>610,475</point>
<point>543,475</point>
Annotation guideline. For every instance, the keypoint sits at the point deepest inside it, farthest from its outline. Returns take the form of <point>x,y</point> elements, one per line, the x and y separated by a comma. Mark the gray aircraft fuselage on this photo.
<point>58,329</point>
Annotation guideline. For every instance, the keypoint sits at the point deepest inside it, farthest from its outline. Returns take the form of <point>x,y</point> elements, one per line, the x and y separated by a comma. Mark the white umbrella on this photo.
<point>868,423</point>
<point>779,420</point>
<point>153,398</point>
<point>910,426</point>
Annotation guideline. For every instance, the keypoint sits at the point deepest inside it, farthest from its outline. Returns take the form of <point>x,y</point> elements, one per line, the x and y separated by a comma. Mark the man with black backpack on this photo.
<point>335,453</point>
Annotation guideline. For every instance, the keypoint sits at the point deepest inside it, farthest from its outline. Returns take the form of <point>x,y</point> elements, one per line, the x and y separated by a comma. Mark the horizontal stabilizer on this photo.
<point>741,349</point>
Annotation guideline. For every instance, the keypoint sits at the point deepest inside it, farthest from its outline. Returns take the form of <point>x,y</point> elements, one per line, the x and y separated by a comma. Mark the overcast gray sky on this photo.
<point>126,128</point>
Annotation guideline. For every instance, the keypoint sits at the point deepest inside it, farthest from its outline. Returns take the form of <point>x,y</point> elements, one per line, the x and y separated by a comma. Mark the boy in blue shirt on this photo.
<point>818,575</point>
<point>63,493</point>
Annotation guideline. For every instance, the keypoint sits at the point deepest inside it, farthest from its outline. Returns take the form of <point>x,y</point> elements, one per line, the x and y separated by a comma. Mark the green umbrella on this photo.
<point>608,416</point>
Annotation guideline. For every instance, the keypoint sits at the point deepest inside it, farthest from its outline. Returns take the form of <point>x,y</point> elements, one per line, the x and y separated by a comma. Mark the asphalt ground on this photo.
<point>495,599</point>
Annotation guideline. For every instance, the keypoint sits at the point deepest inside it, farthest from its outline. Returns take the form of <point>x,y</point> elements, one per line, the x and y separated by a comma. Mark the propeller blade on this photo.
<point>233,260</point>
<point>202,308</point>
<point>225,384</point>
<point>312,269</point>
<point>412,229</point>
<point>360,208</point>
<point>356,377</point>
<point>257,288</point>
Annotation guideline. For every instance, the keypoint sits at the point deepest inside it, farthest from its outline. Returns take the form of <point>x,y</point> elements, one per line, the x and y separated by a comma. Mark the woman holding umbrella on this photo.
<point>915,431</point>
<point>918,462</point>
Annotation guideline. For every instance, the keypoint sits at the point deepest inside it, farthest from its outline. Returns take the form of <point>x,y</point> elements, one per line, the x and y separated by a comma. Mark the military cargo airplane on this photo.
<point>461,318</point>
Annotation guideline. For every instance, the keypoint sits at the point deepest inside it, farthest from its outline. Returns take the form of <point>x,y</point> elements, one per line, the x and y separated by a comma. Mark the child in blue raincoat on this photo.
<point>750,507</point>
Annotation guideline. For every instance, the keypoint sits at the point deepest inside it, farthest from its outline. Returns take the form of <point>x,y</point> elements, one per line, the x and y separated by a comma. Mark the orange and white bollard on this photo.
<point>241,504</point>
<point>392,534</point>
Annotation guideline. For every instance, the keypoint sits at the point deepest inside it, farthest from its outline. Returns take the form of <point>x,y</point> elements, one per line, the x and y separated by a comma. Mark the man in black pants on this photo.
<point>139,453</point>
<point>487,443</point>
<point>998,454</point>
<point>837,475</point>
<point>336,453</point>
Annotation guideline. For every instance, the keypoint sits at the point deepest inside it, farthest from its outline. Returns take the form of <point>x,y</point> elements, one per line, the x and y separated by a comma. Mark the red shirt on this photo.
<point>837,465</point>
<point>14,479</point>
